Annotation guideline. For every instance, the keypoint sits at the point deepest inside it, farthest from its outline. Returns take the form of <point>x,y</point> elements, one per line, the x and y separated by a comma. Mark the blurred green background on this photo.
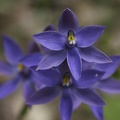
<point>21,19</point>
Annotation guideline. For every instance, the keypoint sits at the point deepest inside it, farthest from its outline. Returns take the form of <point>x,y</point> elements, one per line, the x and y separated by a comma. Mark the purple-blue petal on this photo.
<point>74,63</point>
<point>49,77</point>
<point>63,68</point>
<point>9,87</point>
<point>68,21</point>
<point>43,96</point>
<point>98,112</point>
<point>12,50</point>
<point>92,54</point>
<point>76,102</point>
<point>51,40</point>
<point>28,89</point>
<point>89,97</point>
<point>89,78</point>
<point>6,68</point>
<point>66,106</point>
<point>44,49</point>
<point>108,68</point>
<point>35,78</point>
<point>88,35</point>
<point>52,59</point>
<point>50,28</point>
<point>32,59</point>
<point>33,47</point>
<point>87,65</point>
<point>109,85</point>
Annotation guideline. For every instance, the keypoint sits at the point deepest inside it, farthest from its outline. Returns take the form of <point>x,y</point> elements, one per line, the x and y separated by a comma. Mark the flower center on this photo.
<point>66,79</point>
<point>23,71</point>
<point>71,37</point>
<point>20,67</point>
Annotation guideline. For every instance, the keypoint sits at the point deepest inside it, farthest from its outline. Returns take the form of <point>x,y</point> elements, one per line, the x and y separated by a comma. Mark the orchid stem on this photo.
<point>23,112</point>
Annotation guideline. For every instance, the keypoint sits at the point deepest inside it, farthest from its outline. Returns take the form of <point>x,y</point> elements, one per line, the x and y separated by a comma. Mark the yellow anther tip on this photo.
<point>71,38</point>
<point>20,66</point>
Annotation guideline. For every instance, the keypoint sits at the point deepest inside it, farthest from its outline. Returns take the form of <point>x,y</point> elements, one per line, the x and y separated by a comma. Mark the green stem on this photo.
<point>23,112</point>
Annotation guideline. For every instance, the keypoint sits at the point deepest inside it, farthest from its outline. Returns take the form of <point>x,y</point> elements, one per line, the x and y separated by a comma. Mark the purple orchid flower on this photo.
<point>71,43</point>
<point>106,84</point>
<point>18,71</point>
<point>59,80</point>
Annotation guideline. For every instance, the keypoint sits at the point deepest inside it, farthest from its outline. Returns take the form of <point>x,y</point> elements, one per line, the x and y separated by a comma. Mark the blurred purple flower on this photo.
<point>33,59</point>
<point>16,69</point>
<point>61,81</point>
<point>71,43</point>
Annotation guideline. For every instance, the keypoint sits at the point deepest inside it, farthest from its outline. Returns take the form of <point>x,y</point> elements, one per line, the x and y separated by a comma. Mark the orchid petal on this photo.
<point>33,47</point>
<point>109,85</point>
<point>12,50</point>
<point>36,78</point>
<point>88,35</point>
<point>74,63</point>
<point>92,54</point>
<point>49,28</point>
<point>51,40</point>
<point>108,68</point>
<point>52,59</point>
<point>87,65</point>
<point>63,68</point>
<point>68,21</point>
<point>89,78</point>
<point>49,77</point>
<point>76,102</point>
<point>89,97</point>
<point>9,87</point>
<point>66,106</point>
<point>6,68</point>
<point>98,112</point>
<point>45,50</point>
<point>28,89</point>
<point>32,59</point>
<point>44,95</point>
